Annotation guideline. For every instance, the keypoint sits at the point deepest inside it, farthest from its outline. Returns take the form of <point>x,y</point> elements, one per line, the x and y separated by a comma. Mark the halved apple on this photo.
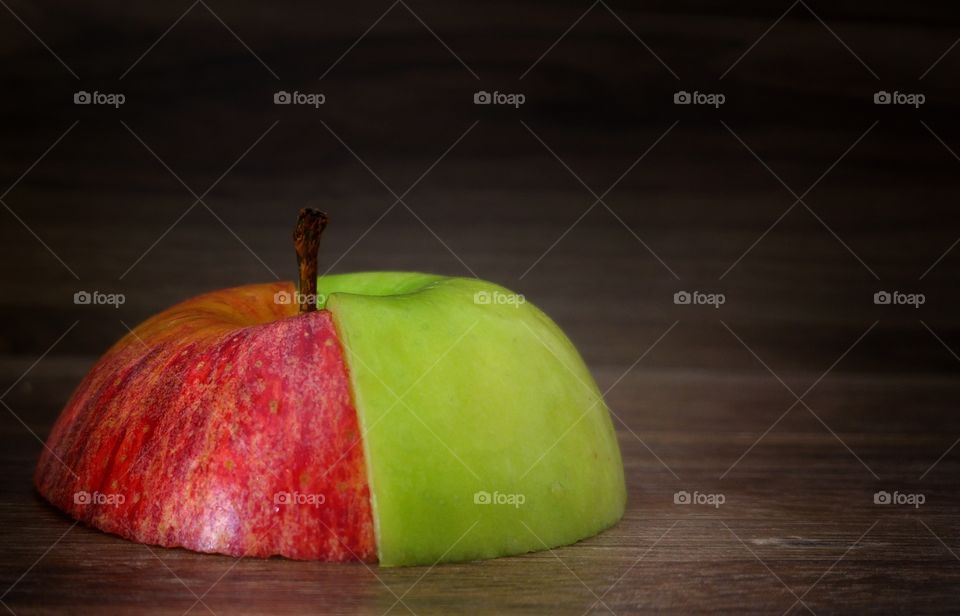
<point>411,419</point>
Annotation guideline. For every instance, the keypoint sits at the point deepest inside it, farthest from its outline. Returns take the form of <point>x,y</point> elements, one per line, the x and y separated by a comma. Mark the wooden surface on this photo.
<point>701,395</point>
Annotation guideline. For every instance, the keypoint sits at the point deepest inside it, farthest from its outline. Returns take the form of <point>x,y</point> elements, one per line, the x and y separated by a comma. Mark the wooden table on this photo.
<point>796,400</point>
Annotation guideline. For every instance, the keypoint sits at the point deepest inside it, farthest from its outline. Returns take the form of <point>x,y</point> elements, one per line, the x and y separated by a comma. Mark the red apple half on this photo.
<point>207,422</point>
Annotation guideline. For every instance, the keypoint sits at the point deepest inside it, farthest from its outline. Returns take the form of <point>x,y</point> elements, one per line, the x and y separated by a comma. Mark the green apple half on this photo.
<point>470,401</point>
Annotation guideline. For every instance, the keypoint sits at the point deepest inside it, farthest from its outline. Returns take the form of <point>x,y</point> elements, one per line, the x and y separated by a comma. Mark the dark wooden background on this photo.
<point>705,399</point>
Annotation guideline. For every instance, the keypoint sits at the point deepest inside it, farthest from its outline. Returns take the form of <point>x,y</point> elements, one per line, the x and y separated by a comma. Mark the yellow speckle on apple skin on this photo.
<point>273,407</point>
<point>228,464</point>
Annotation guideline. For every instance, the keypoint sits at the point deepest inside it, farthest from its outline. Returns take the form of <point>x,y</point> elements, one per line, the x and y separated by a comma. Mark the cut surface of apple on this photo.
<point>413,419</point>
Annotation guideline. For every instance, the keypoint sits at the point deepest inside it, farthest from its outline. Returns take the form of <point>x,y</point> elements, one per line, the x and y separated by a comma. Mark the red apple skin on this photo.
<point>201,416</point>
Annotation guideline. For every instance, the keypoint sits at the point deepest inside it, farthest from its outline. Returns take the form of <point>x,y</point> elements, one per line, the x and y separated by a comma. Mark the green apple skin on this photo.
<point>457,397</point>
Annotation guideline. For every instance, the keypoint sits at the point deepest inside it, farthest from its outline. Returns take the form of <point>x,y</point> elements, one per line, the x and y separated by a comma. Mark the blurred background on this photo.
<point>599,198</point>
<point>508,194</point>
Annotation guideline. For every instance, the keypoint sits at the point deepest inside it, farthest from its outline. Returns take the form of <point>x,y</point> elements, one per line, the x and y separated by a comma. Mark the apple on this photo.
<point>396,417</point>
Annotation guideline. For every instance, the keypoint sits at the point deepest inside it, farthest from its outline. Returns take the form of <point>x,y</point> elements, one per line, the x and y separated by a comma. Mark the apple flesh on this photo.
<point>430,418</point>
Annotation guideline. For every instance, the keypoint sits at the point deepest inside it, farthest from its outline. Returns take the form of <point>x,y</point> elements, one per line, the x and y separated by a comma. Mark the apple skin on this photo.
<point>206,413</point>
<point>463,387</point>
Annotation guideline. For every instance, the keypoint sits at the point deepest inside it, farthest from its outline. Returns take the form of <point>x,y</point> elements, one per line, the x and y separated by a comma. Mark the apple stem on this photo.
<point>306,241</point>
